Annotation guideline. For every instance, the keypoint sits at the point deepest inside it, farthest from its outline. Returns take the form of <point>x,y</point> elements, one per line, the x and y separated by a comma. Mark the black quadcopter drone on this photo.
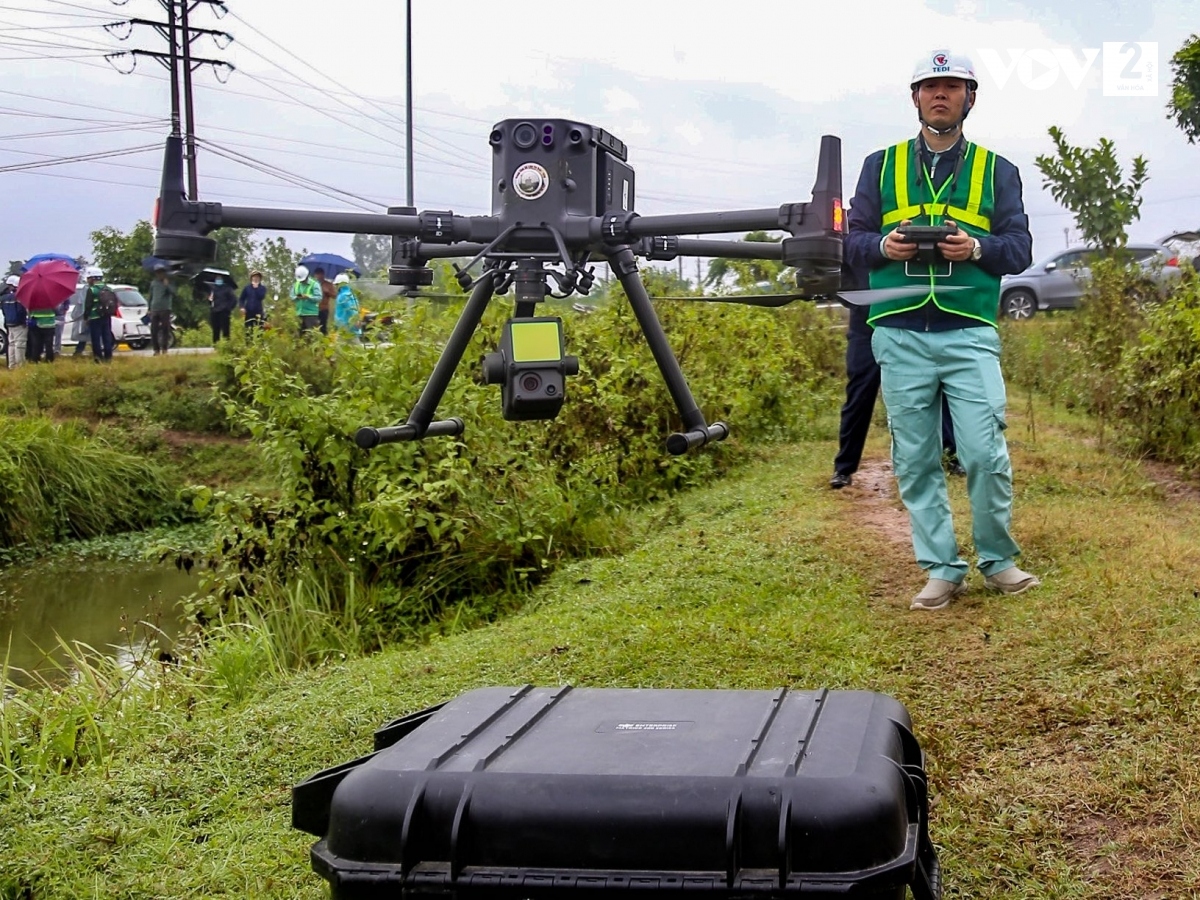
<point>562,197</point>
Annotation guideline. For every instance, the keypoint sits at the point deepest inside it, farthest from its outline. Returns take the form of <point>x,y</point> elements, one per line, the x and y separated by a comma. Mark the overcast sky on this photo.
<point>722,105</point>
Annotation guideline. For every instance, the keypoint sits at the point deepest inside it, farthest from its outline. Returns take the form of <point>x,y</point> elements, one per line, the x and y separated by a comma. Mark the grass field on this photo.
<point>1060,725</point>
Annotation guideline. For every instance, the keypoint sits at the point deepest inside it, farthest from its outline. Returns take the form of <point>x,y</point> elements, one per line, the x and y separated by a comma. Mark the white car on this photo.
<point>128,326</point>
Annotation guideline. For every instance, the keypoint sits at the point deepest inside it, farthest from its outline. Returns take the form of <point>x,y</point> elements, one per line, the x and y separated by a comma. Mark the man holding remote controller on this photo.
<point>939,210</point>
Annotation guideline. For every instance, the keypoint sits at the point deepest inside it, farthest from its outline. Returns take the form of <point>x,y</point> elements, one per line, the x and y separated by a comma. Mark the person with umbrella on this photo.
<point>16,320</point>
<point>162,299</point>
<point>98,314</point>
<point>328,298</point>
<point>41,289</point>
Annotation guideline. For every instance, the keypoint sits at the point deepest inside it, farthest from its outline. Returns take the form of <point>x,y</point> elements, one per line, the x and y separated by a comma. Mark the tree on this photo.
<point>747,273</point>
<point>1185,89</point>
<point>14,267</point>
<point>120,255</point>
<point>1091,185</point>
<point>277,262</point>
<point>372,253</point>
<point>235,249</point>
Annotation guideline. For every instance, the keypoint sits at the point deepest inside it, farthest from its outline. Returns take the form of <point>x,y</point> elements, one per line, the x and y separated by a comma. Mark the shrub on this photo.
<point>444,518</point>
<point>1160,380</point>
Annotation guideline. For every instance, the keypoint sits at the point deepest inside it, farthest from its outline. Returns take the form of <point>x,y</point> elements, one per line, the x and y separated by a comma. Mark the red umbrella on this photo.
<point>47,284</point>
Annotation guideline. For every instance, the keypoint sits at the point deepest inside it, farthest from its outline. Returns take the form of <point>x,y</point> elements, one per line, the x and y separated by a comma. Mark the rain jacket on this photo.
<point>346,311</point>
<point>223,298</point>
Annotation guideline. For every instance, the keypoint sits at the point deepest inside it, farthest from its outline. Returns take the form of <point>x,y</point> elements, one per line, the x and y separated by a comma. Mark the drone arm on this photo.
<point>703,223</point>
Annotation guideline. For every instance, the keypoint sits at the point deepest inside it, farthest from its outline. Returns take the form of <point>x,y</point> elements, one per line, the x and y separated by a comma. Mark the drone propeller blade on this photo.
<point>854,298</point>
<point>882,295</point>
<point>768,300</point>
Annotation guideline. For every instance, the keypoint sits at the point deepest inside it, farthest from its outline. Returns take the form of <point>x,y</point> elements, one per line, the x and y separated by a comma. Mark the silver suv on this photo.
<point>1057,282</point>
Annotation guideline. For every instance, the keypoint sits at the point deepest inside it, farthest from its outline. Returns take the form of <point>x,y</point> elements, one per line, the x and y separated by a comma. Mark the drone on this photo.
<point>562,198</point>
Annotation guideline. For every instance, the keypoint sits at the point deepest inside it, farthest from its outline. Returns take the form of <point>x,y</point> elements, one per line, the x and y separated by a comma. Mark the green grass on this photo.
<point>1060,725</point>
<point>159,408</point>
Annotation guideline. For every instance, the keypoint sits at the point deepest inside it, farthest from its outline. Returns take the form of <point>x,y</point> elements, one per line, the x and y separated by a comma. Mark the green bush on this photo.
<point>1160,380</point>
<point>441,519</point>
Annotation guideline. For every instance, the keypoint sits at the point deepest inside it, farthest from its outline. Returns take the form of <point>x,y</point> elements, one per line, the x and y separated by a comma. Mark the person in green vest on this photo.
<point>944,343</point>
<point>306,294</point>
<point>41,335</point>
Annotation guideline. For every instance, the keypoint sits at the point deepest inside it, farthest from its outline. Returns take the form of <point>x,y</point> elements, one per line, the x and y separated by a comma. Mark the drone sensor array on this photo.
<point>562,198</point>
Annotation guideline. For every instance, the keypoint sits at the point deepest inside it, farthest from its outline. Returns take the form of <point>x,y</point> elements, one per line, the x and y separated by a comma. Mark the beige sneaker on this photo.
<point>1011,581</point>
<point>938,593</point>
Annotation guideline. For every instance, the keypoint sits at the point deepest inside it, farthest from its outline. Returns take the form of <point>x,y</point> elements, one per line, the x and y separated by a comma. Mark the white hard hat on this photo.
<point>944,64</point>
<point>342,278</point>
<point>301,273</point>
<point>13,280</point>
<point>93,272</point>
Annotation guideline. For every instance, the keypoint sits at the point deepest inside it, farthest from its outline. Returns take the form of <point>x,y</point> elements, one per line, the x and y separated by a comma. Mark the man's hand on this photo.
<point>957,247</point>
<point>895,247</point>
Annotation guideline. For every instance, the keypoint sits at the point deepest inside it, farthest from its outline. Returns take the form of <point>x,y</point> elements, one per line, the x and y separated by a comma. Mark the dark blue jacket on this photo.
<point>1006,251</point>
<point>252,299</point>
<point>14,313</point>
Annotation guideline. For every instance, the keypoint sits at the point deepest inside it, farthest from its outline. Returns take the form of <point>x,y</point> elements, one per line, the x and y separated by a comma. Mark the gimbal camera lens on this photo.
<point>525,135</point>
<point>575,136</point>
<point>530,382</point>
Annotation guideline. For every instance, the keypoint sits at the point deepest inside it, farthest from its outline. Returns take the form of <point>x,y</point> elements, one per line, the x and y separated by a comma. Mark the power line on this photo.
<point>49,12</point>
<point>288,176</point>
<point>90,129</point>
<point>83,157</point>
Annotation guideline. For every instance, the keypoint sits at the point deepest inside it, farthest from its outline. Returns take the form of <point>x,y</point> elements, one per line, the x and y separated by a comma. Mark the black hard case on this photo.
<point>538,792</point>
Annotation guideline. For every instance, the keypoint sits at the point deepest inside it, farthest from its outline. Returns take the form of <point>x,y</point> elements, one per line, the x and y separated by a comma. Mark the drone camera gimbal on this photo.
<point>562,197</point>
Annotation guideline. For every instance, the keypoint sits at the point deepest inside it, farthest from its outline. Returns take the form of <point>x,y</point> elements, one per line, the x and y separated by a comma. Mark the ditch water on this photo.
<point>115,608</point>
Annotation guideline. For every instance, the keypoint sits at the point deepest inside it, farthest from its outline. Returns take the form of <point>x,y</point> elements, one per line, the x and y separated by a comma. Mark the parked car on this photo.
<point>128,326</point>
<point>1057,282</point>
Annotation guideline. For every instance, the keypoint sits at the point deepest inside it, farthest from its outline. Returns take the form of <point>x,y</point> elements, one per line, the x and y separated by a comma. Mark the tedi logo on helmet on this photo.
<point>941,63</point>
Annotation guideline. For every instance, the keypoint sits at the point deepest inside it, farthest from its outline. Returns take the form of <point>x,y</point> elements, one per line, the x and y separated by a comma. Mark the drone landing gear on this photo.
<point>697,432</point>
<point>420,422</point>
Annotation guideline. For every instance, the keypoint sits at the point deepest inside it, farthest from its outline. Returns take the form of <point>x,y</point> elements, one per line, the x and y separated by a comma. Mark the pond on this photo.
<point>113,607</point>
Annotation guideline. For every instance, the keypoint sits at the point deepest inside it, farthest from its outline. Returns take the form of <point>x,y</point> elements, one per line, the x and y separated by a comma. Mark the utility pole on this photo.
<point>1066,238</point>
<point>179,36</point>
<point>189,111</point>
<point>408,110</point>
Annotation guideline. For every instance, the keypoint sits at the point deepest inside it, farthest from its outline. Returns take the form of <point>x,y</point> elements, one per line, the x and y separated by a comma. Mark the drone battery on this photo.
<point>615,185</point>
<point>519,793</point>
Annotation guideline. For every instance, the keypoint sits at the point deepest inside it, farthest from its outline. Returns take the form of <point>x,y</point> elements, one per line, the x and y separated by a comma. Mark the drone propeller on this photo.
<point>854,298</point>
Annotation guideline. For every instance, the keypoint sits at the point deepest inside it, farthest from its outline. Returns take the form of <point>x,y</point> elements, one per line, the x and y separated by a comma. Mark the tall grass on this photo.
<point>78,711</point>
<point>57,482</point>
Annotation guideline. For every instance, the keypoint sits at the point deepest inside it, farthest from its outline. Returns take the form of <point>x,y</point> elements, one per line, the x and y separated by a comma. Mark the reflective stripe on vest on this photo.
<point>982,165</point>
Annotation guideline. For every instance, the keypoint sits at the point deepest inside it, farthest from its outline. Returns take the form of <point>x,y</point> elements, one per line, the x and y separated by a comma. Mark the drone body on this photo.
<point>562,197</point>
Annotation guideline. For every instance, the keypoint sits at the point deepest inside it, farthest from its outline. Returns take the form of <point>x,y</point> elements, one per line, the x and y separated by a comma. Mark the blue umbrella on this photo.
<point>333,264</point>
<point>42,257</point>
<point>149,262</point>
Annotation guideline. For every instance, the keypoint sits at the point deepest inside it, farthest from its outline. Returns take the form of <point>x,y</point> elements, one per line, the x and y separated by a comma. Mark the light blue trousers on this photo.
<point>916,368</point>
